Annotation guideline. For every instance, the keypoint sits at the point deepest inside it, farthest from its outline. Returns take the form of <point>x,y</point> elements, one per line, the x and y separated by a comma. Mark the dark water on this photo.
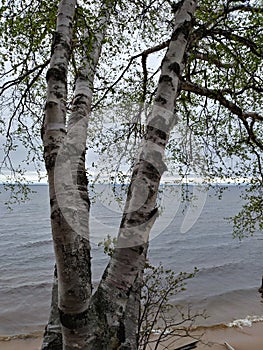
<point>229,270</point>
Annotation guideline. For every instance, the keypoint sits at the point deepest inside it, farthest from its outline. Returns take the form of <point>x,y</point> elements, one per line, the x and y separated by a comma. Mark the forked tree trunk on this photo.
<point>108,319</point>
<point>65,164</point>
<point>72,190</point>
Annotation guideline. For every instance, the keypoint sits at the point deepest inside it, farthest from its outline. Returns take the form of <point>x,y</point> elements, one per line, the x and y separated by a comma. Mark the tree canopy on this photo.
<point>219,106</point>
<point>119,77</point>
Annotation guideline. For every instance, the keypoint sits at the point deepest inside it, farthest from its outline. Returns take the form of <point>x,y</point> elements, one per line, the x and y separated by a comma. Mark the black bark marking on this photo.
<point>161,100</point>
<point>184,28</point>
<point>153,213</point>
<point>123,220</point>
<point>153,132</point>
<point>57,93</point>
<point>50,155</point>
<point>121,332</point>
<point>74,321</point>
<point>165,78</point>
<point>176,6</point>
<point>190,14</point>
<point>175,34</point>
<point>58,74</point>
<point>42,130</point>
<point>141,250</point>
<point>53,340</point>
<point>80,100</point>
<point>151,172</point>
<point>158,122</point>
<point>57,39</point>
<point>175,67</point>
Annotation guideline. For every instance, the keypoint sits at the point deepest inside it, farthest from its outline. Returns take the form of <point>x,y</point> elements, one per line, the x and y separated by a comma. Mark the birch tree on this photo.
<point>208,77</point>
<point>105,320</point>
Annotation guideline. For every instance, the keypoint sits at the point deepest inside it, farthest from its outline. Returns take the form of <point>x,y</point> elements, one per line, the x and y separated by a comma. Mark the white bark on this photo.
<point>107,320</point>
<point>128,260</point>
<point>70,211</point>
<point>53,134</point>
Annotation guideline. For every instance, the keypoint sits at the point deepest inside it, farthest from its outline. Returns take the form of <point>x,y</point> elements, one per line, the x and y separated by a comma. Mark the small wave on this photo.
<point>34,335</point>
<point>240,323</point>
<point>215,326</point>
<point>229,265</point>
<point>245,322</point>
<point>194,328</point>
<point>197,248</point>
<point>25,287</point>
<point>35,243</point>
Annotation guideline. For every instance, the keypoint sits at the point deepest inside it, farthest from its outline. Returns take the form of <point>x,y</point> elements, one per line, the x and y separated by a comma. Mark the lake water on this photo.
<point>229,270</point>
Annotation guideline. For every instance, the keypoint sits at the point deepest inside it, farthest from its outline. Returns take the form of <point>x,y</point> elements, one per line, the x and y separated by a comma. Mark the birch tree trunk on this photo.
<point>52,339</point>
<point>108,320</point>
<point>65,163</point>
<point>53,135</point>
<point>70,173</point>
<point>119,283</point>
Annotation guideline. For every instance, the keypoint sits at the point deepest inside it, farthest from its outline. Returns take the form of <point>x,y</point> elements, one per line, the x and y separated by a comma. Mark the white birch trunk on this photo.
<point>69,193</point>
<point>128,260</point>
<point>108,320</point>
<point>53,135</point>
<point>71,173</point>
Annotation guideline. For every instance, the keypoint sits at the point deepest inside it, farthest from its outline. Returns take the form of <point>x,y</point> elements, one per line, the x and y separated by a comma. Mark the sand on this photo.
<point>247,338</point>
<point>21,344</point>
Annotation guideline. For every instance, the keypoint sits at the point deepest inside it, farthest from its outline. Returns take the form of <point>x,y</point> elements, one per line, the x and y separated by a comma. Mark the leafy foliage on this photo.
<point>218,108</point>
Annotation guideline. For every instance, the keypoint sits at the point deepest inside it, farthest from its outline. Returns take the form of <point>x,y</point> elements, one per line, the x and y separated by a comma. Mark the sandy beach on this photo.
<point>33,343</point>
<point>247,338</point>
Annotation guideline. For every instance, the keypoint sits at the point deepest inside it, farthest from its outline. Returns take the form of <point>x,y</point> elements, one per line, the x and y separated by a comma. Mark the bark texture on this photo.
<point>64,152</point>
<point>70,166</point>
<point>53,135</point>
<point>120,284</point>
<point>108,319</point>
<point>52,339</point>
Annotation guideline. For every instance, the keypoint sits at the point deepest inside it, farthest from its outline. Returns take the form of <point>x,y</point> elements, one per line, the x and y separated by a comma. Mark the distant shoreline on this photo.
<point>165,183</point>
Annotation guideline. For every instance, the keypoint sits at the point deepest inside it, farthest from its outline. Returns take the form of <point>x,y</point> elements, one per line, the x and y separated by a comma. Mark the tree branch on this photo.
<point>231,106</point>
<point>213,59</point>
<point>218,95</point>
<point>245,8</point>
<point>234,37</point>
<point>21,77</point>
<point>143,54</point>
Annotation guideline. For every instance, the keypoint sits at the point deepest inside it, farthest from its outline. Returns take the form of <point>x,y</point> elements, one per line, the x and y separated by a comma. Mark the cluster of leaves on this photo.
<point>26,29</point>
<point>108,245</point>
<point>222,84</point>
<point>26,33</point>
<point>221,102</point>
<point>219,136</point>
<point>249,220</point>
